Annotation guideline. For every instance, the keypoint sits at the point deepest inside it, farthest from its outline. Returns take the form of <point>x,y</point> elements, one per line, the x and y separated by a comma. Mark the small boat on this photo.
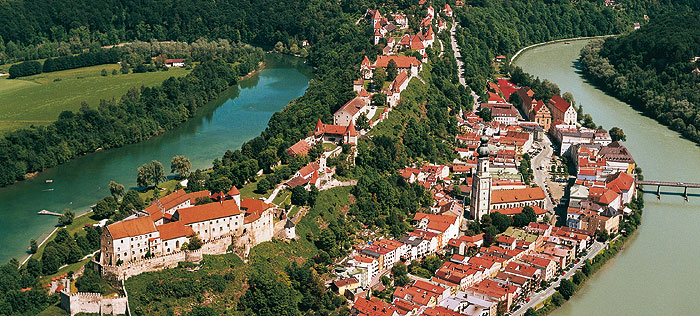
<point>566,43</point>
<point>47,190</point>
<point>49,181</point>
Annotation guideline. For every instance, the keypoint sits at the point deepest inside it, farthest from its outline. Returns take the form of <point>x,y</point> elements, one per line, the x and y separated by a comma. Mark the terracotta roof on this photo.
<point>440,311</point>
<point>517,210</point>
<point>401,61</point>
<point>301,148</point>
<point>352,107</point>
<point>517,195</point>
<point>343,282</point>
<point>305,171</point>
<point>170,61</point>
<point>207,212</point>
<point>373,307</point>
<point>559,103</point>
<point>253,209</point>
<point>174,230</point>
<point>620,182</point>
<point>132,227</point>
<point>616,152</point>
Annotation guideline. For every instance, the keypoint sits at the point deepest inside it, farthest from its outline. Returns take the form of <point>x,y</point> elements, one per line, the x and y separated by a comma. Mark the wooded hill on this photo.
<point>655,69</point>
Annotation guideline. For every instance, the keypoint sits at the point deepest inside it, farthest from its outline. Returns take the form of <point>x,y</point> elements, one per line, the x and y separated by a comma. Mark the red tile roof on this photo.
<point>401,61</point>
<point>209,211</point>
<point>559,103</point>
<point>517,195</point>
<point>132,227</point>
<point>253,209</point>
<point>174,230</point>
<point>301,148</point>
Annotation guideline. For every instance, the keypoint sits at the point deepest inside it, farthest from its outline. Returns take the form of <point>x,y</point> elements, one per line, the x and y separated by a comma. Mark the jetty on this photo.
<point>659,184</point>
<point>45,212</point>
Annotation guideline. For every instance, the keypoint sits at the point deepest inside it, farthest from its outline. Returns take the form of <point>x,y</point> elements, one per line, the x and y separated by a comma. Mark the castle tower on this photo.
<point>481,183</point>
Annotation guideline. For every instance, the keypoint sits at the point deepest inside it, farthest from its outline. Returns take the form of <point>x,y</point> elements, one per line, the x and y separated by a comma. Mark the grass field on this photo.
<point>40,98</point>
<point>75,227</point>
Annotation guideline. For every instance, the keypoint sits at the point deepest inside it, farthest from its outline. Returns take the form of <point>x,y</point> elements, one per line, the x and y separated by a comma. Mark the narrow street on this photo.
<point>540,165</point>
<point>460,64</point>
<point>538,298</point>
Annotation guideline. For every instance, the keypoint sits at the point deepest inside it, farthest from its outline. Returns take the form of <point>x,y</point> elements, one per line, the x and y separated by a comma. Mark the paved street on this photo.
<point>538,298</point>
<point>460,64</point>
<point>542,160</point>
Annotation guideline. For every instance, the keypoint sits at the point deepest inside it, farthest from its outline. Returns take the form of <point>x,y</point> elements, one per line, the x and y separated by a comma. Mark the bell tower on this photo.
<point>481,183</point>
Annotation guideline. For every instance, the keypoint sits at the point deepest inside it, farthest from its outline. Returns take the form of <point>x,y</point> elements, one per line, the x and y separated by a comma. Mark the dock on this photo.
<point>45,212</point>
<point>659,184</point>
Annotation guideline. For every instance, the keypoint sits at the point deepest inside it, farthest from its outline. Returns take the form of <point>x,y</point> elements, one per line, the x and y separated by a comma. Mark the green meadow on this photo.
<point>38,99</point>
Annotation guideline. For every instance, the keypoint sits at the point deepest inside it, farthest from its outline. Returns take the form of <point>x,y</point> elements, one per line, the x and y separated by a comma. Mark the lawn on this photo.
<point>248,190</point>
<point>165,187</point>
<point>75,227</point>
<point>40,98</point>
<point>282,197</point>
<point>329,147</point>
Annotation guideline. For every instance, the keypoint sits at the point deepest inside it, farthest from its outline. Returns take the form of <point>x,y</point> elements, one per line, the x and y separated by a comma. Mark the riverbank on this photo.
<point>563,40</point>
<point>236,116</point>
<point>667,239</point>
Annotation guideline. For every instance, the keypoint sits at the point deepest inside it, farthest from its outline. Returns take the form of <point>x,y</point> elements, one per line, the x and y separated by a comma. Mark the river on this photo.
<point>656,274</point>
<point>238,115</point>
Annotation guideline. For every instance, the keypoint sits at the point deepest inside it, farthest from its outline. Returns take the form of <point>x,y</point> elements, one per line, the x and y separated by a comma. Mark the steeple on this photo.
<point>481,182</point>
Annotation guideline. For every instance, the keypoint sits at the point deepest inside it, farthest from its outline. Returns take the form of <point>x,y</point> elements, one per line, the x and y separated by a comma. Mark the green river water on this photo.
<point>657,272</point>
<point>240,114</point>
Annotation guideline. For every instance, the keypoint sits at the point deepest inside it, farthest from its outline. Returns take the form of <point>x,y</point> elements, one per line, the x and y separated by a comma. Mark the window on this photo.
<point>166,243</point>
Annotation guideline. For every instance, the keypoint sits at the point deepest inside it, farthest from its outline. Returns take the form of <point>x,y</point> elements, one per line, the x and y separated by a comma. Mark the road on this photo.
<point>460,64</point>
<point>542,160</point>
<point>538,298</point>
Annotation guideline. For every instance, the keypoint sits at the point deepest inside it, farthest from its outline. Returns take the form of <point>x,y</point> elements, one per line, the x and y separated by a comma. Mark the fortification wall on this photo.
<point>128,269</point>
<point>93,303</point>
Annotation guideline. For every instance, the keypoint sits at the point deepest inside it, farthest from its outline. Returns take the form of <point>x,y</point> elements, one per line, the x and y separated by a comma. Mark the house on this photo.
<point>421,293</point>
<point>212,220</point>
<point>469,305</point>
<point>540,212</point>
<point>372,307</point>
<point>173,236</point>
<point>366,68</point>
<point>503,113</point>
<point>127,240</point>
<point>493,291</point>
<point>517,198</point>
<point>300,148</point>
<point>617,157</point>
<point>358,85</point>
<point>408,64</point>
<point>623,184</point>
<point>338,134</point>
<point>343,285</point>
<point>351,110</point>
<point>258,219</point>
<point>174,63</point>
<point>562,110</point>
<point>446,226</point>
<point>306,176</point>
<point>447,11</point>
<point>162,209</point>
<point>417,247</point>
<point>401,20</point>
<point>548,267</point>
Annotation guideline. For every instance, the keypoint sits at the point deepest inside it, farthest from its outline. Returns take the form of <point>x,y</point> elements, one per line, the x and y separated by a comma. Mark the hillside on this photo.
<point>655,69</point>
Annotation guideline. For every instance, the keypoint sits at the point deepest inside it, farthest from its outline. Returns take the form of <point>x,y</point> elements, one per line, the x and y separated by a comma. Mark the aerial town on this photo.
<point>511,164</point>
<point>512,201</point>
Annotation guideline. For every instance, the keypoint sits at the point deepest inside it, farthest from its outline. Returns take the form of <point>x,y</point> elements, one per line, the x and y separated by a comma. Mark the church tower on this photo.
<point>481,182</point>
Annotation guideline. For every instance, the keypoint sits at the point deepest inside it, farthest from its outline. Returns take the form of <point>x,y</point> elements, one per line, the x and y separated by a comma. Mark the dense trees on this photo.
<point>491,28</point>
<point>653,69</point>
<point>140,114</point>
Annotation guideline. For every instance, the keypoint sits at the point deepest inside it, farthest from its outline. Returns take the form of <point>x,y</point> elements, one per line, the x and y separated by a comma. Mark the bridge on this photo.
<point>659,184</point>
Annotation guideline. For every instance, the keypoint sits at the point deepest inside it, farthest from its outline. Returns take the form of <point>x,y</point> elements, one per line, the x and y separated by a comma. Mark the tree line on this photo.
<point>97,57</point>
<point>654,70</point>
<point>492,28</point>
<point>138,115</point>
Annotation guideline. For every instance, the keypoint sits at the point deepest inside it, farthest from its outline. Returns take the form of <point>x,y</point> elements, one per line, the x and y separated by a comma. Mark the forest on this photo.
<point>138,115</point>
<point>491,28</point>
<point>654,69</point>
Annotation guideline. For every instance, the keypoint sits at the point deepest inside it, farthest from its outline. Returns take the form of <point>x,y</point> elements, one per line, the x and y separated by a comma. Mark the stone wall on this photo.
<point>94,303</point>
<point>128,269</point>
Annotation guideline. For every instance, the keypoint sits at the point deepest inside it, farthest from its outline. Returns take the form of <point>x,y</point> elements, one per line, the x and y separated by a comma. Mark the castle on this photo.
<point>161,233</point>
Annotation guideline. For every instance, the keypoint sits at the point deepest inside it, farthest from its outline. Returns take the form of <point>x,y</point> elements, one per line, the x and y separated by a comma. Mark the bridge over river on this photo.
<point>659,184</point>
